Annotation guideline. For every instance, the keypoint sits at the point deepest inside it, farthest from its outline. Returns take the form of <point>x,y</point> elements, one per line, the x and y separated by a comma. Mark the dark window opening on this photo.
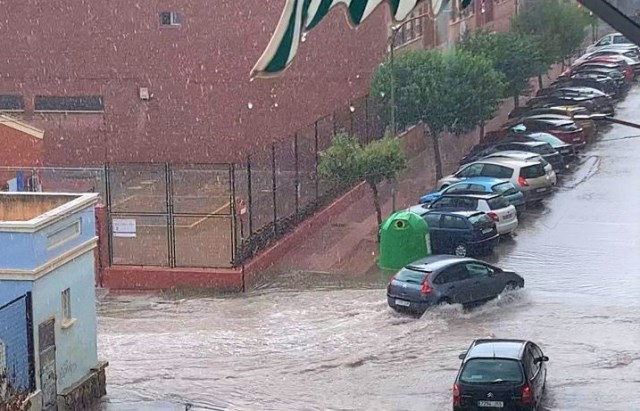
<point>170,18</point>
<point>75,103</point>
<point>10,102</point>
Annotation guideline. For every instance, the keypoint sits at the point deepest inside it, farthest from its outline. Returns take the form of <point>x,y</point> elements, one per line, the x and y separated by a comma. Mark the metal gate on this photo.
<point>171,215</point>
<point>48,377</point>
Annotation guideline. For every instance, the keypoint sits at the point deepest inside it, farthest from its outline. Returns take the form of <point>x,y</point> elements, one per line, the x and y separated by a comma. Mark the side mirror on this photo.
<point>461,356</point>
<point>545,358</point>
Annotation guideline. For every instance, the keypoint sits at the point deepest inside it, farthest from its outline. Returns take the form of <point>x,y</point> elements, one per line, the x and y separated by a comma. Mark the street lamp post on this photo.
<point>392,45</point>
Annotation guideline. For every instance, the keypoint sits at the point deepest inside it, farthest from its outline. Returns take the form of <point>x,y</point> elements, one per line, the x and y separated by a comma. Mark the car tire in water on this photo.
<point>510,286</point>
<point>444,301</point>
<point>461,250</point>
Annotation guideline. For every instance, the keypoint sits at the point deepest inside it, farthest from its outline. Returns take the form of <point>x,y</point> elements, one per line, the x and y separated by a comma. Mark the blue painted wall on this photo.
<point>25,251</point>
<point>10,290</point>
<point>76,346</point>
<point>14,333</point>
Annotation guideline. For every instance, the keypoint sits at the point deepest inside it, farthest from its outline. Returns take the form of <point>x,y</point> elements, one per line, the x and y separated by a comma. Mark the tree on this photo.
<point>452,91</point>
<point>559,26</point>
<point>347,162</point>
<point>516,56</point>
<point>10,398</point>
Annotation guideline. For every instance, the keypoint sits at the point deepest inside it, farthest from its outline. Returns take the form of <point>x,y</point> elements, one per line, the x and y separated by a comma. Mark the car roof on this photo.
<point>514,154</point>
<point>465,214</point>
<point>486,181</point>
<point>496,348</point>
<point>487,196</point>
<point>506,161</point>
<point>554,121</point>
<point>436,262</point>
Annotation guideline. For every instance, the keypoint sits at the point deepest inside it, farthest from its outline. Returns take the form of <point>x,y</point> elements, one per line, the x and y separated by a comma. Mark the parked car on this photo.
<point>540,148</point>
<point>582,122</point>
<point>567,151</point>
<point>613,73</point>
<point>566,130</point>
<point>629,66</point>
<point>593,103</point>
<point>501,374</point>
<point>609,39</point>
<point>461,233</point>
<point>580,115</point>
<point>528,156</point>
<point>607,63</point>
<point>527,176</point>
<point>630,53</point>
<point>495,206</point>
<point>446,279</point>
<point>603,83</point>
<point>481,185</point>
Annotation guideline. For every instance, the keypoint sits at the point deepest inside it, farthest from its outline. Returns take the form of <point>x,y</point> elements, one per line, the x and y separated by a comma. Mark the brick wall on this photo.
<point>14,333</point>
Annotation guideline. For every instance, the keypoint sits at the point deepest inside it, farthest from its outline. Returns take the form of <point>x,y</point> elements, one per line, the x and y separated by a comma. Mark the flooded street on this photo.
<point>313,347</point>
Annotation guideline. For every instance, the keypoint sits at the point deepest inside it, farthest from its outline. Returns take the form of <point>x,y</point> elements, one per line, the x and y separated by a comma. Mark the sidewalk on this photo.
<point>348,244</point>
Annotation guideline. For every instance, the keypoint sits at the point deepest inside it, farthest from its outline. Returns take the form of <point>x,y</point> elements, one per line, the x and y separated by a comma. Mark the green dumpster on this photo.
<point>404,238</point>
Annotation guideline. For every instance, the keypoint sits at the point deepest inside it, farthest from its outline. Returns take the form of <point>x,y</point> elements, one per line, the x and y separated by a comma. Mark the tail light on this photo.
<point>457,399</point>
<point>527,395</point>
<point>522,181</point>
<point>426,288</point>
<point>493,216</point>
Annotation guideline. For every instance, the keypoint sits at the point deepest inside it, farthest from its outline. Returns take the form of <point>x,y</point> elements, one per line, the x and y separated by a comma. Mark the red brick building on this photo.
<point>167,80</point>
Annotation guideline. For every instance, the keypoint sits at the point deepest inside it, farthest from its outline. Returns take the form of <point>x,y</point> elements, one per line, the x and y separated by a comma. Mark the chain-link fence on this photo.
<point>209,215</point>
<point>280,184</point>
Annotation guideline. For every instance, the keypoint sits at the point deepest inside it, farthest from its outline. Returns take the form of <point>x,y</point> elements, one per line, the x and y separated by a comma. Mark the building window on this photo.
<point>81,104</point>
<point>170,18</point>
<point>458,14</point>
<point>10,102</point>
<point>3,358</point>
<point>67,319</point>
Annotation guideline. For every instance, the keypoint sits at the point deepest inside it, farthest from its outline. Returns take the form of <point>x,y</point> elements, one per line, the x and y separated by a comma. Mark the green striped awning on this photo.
<point>300,16</point>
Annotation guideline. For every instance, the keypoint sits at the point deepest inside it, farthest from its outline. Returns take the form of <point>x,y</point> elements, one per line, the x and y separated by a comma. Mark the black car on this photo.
<point>461,233</point>
<point>613,73</point>
<point>501,374</point>
<point>561,97</point>
<point>603,83</point>
<point>446,279</point>
<point>567,151</point>
<point>547,152</point>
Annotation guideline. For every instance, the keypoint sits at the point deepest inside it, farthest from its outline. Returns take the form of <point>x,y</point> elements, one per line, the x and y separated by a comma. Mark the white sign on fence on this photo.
<point>124,228</point>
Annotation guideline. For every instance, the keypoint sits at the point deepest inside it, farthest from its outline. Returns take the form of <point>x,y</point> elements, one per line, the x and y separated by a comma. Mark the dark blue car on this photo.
<point>481,185</point>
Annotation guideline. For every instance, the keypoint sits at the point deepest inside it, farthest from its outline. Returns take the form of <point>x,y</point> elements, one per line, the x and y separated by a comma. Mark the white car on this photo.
<point>608,40</point>
<point>527,156</point>
<point>494,205</point>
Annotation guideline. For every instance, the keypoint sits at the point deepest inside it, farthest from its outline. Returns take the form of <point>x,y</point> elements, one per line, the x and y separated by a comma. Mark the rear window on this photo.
<point>506,189</point>
<point>480,220</point>
<point>533,171</point>
<point>410,275</point>
<point>491,370</point>
<point>543,149</point>
<point>497,203</point>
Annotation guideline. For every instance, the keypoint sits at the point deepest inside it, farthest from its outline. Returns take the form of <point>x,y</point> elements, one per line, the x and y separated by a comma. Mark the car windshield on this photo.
<point>505,189</point>
<point>497,203</point>
<point>567,127</point>
<point>532,171</point>
<point>491,370</point>
<point>411,275</point>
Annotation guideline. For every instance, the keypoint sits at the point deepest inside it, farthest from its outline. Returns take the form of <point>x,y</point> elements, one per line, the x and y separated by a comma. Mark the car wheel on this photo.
<point>444,301</point>
<point>461,250</point>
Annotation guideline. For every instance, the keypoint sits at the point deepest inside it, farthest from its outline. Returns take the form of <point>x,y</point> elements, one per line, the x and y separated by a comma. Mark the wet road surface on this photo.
<point>313,347</point>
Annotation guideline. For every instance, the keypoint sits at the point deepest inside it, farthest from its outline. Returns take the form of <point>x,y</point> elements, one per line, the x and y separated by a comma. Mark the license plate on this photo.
<point>403,303</point>
<point>541,190</point>
<point>487,230</point>
<point>491,404</point>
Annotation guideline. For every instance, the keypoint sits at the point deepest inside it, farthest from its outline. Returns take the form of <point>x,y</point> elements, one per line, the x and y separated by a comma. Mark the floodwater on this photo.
<point>334,348</point>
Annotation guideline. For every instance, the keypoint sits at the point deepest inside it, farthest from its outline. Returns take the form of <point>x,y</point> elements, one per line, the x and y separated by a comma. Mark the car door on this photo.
<point>454,229</point>
<point>485,285</point>
<point>473,170</point>
<point>444,203</point>
<point>541,377</point>
<point>455,284</point>
<point>460,187</point>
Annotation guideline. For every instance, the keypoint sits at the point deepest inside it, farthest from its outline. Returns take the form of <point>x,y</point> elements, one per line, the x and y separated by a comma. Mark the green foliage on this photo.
<point>516,56</point>
<point>455,91</point>
<point>348,162</point>
<point>558,25</point>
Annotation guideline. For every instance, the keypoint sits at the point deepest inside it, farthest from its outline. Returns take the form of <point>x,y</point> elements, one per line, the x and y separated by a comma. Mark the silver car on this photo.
<point>527,156</point>
<point>529,177</point>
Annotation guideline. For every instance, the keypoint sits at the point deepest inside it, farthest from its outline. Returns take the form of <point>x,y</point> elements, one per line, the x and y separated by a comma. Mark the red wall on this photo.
<point>198,75</point>
<point>18,148</point>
